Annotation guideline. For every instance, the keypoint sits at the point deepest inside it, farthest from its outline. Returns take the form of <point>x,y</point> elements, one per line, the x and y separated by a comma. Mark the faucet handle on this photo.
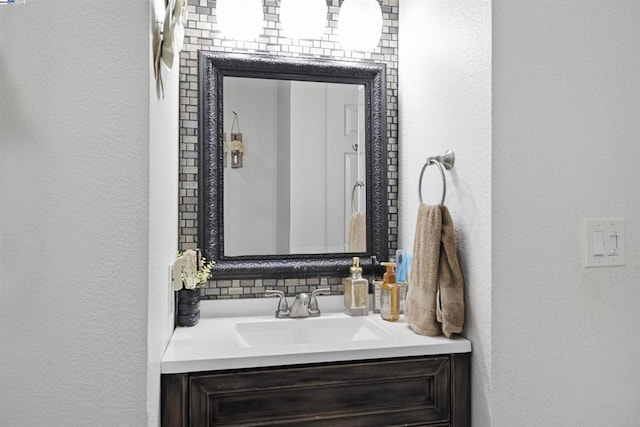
<point>313,305</point>
<point>283,306</point>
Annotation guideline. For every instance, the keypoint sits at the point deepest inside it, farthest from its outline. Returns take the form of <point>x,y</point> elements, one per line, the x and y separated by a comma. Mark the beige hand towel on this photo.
<point>420,305</point>
<point>358,232</point>
<point>435,299</point>
<point>450,300</point>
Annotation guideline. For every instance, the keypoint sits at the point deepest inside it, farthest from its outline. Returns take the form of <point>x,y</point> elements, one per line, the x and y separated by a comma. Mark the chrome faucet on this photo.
<point>304,305</point>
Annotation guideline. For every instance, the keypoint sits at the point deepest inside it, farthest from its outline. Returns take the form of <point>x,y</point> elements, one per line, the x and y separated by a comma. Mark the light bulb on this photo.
<point>303,19</point>
<point>240,19</point>
<point>360,24</point>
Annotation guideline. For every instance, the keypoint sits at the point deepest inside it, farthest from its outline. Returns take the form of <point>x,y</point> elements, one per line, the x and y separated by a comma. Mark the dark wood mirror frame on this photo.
<point>213,67</point>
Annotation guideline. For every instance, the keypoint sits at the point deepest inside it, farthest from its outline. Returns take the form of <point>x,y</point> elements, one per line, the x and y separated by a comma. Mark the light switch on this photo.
<point>613,243</point>
<point>603,242</point>
<point>598,243</point>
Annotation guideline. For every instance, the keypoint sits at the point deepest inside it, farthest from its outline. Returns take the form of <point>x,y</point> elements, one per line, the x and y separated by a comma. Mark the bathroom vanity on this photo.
<point>333,370</point>
<point>243,366</point>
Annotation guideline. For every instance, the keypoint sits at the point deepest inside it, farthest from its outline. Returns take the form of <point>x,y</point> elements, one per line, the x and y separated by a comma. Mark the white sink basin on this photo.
<point>317,330</point>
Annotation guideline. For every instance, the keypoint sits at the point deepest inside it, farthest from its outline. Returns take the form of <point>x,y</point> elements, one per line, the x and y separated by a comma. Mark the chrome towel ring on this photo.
<point>447,160</point>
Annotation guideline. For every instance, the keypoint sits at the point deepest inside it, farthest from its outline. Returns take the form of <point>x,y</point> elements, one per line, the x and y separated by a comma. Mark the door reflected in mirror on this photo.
<point>301,188</point>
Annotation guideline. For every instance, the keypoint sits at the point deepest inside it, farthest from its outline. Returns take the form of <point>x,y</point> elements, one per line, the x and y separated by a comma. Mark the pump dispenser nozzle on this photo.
<point>389,275</point>
<point>355,268</point>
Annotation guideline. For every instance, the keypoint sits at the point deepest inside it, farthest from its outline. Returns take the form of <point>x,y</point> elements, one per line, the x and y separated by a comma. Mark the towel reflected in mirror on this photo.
<point>357,232</point>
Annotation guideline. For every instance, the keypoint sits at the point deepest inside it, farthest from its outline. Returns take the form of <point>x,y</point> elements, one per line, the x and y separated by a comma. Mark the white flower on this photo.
<point>192,274</point>
<point>190,282</point>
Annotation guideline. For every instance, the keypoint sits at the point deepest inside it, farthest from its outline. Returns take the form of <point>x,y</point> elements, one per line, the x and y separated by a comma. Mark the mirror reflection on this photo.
<point>294,167</point>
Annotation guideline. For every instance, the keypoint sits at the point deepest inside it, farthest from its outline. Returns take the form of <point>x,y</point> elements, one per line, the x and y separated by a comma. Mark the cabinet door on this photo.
<point>414,391</point>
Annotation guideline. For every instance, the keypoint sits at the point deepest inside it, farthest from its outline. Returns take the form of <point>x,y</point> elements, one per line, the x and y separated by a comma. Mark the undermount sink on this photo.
<point>307,332</point>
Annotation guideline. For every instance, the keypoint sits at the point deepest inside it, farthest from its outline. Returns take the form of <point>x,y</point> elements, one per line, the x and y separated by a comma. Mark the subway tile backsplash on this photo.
<point>201,33</point>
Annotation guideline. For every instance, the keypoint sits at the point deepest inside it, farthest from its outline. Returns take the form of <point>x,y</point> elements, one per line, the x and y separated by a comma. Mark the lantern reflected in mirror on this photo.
<point>237,150</point>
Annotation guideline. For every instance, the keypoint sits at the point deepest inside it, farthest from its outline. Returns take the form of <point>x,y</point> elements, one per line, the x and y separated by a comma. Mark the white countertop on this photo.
<point>213,344</point>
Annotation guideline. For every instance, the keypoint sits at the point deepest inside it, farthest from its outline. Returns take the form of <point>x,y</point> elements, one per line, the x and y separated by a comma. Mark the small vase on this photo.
<point>188,307</point>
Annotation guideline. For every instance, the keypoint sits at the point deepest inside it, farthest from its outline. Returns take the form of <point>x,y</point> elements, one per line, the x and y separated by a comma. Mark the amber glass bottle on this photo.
<point>389,294</point>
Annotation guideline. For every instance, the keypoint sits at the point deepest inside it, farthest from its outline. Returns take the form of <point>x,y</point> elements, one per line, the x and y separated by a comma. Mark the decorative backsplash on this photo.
<point>202,34</point>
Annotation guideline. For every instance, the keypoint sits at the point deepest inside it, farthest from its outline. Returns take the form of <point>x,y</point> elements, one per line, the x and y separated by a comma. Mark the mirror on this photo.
<point>292,165</point>
<point>302,167</point>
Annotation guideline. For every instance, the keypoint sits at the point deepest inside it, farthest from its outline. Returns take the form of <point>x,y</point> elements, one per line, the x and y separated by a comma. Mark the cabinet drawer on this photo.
<point>388,392</point>
<point>423,390</point>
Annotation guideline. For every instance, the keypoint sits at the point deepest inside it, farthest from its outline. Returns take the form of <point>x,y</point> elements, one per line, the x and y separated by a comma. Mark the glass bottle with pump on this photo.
<point>356,291</point>
<point>389,294</point>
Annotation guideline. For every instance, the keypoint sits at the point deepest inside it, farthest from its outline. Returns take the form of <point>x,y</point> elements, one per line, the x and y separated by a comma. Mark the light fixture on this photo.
<point>303,19</point>
<point>360,24</point>
<point>240,19</point>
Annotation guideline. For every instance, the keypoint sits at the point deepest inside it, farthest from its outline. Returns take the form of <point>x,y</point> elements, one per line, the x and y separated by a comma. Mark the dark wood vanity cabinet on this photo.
<point>410,391</point>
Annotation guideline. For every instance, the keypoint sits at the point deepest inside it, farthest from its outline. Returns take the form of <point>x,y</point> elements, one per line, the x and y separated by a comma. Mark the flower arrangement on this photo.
<point>194,270</point>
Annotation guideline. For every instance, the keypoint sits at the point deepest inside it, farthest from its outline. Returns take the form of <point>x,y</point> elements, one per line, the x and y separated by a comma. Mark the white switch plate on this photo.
<point>604,241</point>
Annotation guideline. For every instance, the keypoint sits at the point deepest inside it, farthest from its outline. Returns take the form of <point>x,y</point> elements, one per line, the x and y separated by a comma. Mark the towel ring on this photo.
<point>447,160</point>
<point>357,185</point>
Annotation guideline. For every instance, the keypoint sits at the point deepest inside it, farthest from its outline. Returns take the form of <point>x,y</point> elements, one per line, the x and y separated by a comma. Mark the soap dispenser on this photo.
<point>356,291</point>
<point>389,294</point>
